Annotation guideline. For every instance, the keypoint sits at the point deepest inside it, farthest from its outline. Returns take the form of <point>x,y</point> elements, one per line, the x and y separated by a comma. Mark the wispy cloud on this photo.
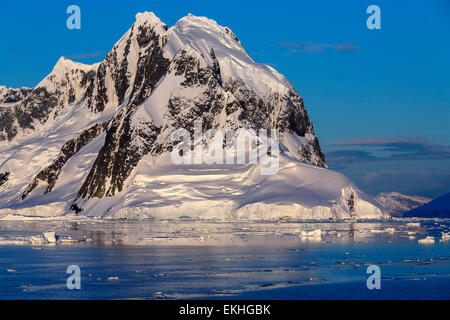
<point>86,55</point>
<point>351,156</point>
<point>295,44</point>
<point>385,149</point>
<point>382,141</point>
<point>314,47</point>
<point>346,47</point>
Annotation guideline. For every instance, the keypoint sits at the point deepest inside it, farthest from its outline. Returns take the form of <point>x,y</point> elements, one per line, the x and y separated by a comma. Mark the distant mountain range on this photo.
<point>397,204</point>
<point>438,208</point>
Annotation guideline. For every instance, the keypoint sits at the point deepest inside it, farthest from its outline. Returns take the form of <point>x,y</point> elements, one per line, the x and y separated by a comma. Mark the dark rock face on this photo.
<point>88,81</point>
<point>7,128</point>
<point>50,174</point>
<point>311,148</point>
<point>37,106</point>
<point>351,203</point>
<point>317,150</point>
<point>98,100</point>
<point>117,157</point>
<point>216,68</point>
<point>261,113</point>
<point>3,178</point>
<point>206,105</point>
<point>14,95</point>
<point>121,81</point>
<point>151,67</point>
<point>189,66</point>
<point>125,144</point>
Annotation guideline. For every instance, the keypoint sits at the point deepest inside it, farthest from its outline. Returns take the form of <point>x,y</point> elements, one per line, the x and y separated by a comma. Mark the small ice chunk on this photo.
<point>50,237</point>
<point>314,234</point>
<point>37,240</point>
<point>427,240</point>
<point>413,224</point>
<point>13,242</point>
<point>445,236</point>
<point>67,240</point>
<point>390,230</point>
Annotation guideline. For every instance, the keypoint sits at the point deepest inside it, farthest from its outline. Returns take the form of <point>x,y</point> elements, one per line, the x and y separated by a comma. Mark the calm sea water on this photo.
<point>216,260</point>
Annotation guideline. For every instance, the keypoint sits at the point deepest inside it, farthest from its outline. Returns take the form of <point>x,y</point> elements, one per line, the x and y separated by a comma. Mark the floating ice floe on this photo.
<point>389,230</point>
<point>50,237</point>
<point>413,224</point>
<point>315,235</point>
<point>47,238</point>
<point>37,240</point>
<point>6,241</point>
<point>427,240</point>
<point>67,240</point>
<point>445,236</point>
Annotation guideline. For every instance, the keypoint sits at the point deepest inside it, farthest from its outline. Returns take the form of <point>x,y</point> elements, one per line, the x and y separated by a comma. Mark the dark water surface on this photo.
<point>270,261</point>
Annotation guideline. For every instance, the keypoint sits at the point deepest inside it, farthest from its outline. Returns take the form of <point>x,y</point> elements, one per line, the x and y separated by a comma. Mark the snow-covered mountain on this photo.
<point>438,208</point>
<point>397,204</point>
<point>95,139</point>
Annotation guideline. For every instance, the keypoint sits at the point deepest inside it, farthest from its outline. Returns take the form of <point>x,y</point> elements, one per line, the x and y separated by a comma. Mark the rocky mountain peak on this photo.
<point>150,19</point>
<point>100,126</point>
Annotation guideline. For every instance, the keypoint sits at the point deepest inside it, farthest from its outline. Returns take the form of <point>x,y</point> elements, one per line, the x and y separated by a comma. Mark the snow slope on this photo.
<point>298,191</point>
<point>95,140</point>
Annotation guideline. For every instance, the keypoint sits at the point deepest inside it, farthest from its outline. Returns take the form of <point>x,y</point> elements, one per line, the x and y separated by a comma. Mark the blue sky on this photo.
<point>390,87</point>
